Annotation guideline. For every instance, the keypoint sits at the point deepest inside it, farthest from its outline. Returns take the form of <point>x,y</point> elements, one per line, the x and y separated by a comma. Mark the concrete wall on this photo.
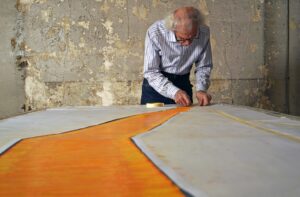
<point>276,51</point>
<point>282,23</point>
<point>11,83</point>
<point>294,57</point>
<point>90,52</point>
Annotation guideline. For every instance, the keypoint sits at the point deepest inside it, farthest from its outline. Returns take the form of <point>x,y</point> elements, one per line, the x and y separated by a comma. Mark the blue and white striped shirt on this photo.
<point>164,53</point>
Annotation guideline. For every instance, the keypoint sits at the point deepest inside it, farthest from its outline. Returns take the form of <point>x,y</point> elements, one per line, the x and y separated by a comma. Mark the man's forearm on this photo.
<point>161,84</point>
<point>203,78</point>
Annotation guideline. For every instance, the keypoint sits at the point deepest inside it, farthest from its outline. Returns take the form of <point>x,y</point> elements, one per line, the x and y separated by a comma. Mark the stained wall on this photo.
<point>90,52</point>
<point>282,38</point>
<point>12,95</point>
<point>294,58</point>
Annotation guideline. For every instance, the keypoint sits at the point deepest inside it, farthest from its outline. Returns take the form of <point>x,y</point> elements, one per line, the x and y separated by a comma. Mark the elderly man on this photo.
<point>172,46</point>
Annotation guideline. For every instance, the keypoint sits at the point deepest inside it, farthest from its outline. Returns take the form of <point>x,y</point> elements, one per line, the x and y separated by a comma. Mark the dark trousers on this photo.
<point>149,95</point>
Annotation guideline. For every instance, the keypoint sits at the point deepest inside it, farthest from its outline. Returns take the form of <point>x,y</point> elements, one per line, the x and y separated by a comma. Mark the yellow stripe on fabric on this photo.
<point>240,120</point>
<point>95,161</point>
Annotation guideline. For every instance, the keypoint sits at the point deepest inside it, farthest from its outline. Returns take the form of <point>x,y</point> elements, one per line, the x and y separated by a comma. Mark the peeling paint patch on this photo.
<point>81,43</point>
<point>23,5</point>
<point>106,95</point>
<point>108,26</point>
<point>120,3</point>
<point>108,53</point>
<point>107,64</point>
<point>84,24</point>
<point>253,48</point>
<point>141,12</point>
<point>104,7</point>
<point>26,1</point>
<point>257,16</point>
<point>65,23</point>
<point>35,90</point>
<point>43,1</point>
<point>73,50</point>
<point>155,3</point>
<point>46,14</point>
<point>264,70</point>
<point>13,43</point>
<point>203,7</point>
<point>45,55</point>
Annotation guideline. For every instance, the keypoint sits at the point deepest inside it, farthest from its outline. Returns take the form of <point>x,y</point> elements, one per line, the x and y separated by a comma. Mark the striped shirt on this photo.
<point>164,53</point>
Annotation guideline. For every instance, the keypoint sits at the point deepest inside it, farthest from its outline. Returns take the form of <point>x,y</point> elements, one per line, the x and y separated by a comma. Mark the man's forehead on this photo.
<point>183,12</point>
<point>185,34</point>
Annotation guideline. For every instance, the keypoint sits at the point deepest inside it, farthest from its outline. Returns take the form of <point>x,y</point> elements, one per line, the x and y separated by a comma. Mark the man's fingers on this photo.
<point>200,101</point>
<point>180,101</point>
<point>182,98</point>
<point>187,100</point>
<point>184,101</point>
<point>205,100</point>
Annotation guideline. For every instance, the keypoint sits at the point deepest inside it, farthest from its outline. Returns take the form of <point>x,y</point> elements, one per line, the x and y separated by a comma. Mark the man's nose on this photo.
<point>186,43</point>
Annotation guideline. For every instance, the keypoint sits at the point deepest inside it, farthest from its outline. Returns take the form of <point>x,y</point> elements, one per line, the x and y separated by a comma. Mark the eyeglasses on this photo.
<point>182,40</point>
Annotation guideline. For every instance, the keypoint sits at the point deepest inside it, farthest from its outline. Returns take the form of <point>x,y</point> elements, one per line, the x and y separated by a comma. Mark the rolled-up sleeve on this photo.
<point>204,66</point>
<point>152,71</point>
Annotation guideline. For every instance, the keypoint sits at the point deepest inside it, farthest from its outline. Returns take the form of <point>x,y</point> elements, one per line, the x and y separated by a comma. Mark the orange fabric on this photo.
<point>95,161</point>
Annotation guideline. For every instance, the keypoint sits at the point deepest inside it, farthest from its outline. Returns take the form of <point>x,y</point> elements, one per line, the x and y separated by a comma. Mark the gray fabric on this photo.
<point>208,154</point>
<point>58,120</point>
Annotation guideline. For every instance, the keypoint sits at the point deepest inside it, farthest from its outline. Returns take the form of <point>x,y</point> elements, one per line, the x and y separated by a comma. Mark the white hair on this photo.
<point>195,16</point>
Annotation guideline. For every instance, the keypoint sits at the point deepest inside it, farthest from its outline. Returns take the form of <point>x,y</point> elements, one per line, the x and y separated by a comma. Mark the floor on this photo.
<point>219,150</point>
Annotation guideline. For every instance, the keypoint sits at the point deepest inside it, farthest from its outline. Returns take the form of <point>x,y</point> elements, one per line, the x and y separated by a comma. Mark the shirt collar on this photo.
<point>171,36</point>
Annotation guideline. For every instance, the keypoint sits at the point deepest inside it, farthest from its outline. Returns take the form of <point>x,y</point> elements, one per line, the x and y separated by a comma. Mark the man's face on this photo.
<point>185,38</point>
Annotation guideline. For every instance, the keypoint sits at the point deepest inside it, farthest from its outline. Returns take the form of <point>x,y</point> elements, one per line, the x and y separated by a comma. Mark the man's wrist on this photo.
<point>201,87</point>
<point>173,91</point>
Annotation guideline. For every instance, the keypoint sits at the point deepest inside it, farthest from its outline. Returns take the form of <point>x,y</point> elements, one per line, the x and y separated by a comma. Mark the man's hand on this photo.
<point>182,98</point>
<point>203,98</point>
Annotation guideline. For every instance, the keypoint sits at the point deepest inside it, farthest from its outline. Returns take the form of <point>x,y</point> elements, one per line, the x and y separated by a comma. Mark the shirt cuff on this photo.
<point>201,87</point>
<point>172,91</point>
